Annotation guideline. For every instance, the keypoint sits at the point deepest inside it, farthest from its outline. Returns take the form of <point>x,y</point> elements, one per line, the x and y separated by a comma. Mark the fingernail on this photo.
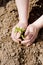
<point>25,34</point>
<point>29,44</point>
<point>22,42</point>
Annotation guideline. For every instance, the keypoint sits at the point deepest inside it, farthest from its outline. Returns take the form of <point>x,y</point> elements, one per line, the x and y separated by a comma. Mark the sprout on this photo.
<point>17,29</point>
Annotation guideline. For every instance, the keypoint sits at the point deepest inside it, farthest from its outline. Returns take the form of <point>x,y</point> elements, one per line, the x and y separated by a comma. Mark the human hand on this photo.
<point>17,32</point>
<point>30,35</point>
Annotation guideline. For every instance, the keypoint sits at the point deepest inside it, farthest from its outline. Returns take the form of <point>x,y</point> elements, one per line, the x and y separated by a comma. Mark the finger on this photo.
<point>33,38</point>
<point>30,36</point>
<point>26,38</point>
<point>25,41</point>
<point>19,40</point>
<point>18,35</point>
<point>16,40</point>
<point>27,32</point>
<point>28,44</point>
<point>31,41</point>
<point>13,33</point>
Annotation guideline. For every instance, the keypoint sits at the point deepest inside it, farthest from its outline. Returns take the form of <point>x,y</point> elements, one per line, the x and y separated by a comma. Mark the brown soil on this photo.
<point>16,54</point>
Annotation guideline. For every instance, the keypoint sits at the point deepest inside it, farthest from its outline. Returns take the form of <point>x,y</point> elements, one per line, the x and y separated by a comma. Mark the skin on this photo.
<point>31,30</point>
<point>22,6</point>
<point>16,35</point>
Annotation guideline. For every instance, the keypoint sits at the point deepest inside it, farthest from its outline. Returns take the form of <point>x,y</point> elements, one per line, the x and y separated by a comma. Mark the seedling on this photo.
<point>21,30</point>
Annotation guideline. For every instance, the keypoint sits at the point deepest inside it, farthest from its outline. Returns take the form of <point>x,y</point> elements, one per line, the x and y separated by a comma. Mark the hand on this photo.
<point>16,35</point>
<point>30,35</point>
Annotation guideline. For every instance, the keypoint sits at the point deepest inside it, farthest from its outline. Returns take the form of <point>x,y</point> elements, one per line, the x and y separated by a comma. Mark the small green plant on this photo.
<point>17,29</point>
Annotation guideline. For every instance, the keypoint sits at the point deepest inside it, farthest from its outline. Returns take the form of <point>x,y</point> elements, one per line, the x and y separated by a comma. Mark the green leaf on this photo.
<point>17,29</point>
<point>22,36</point>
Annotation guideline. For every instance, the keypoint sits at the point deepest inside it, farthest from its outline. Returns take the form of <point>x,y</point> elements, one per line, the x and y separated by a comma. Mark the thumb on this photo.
<point>18,35</point>
<point>26,32</point>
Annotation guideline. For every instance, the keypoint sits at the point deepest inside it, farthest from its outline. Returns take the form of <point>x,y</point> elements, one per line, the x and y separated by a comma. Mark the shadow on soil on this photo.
<point>35,13</point>
<point>3,2</point>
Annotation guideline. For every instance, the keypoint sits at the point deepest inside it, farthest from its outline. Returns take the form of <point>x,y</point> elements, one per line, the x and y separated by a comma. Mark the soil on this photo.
<point>12,53</point>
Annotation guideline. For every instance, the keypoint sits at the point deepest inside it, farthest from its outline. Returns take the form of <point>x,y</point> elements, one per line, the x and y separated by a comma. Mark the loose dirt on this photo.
<point>12,53</point>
